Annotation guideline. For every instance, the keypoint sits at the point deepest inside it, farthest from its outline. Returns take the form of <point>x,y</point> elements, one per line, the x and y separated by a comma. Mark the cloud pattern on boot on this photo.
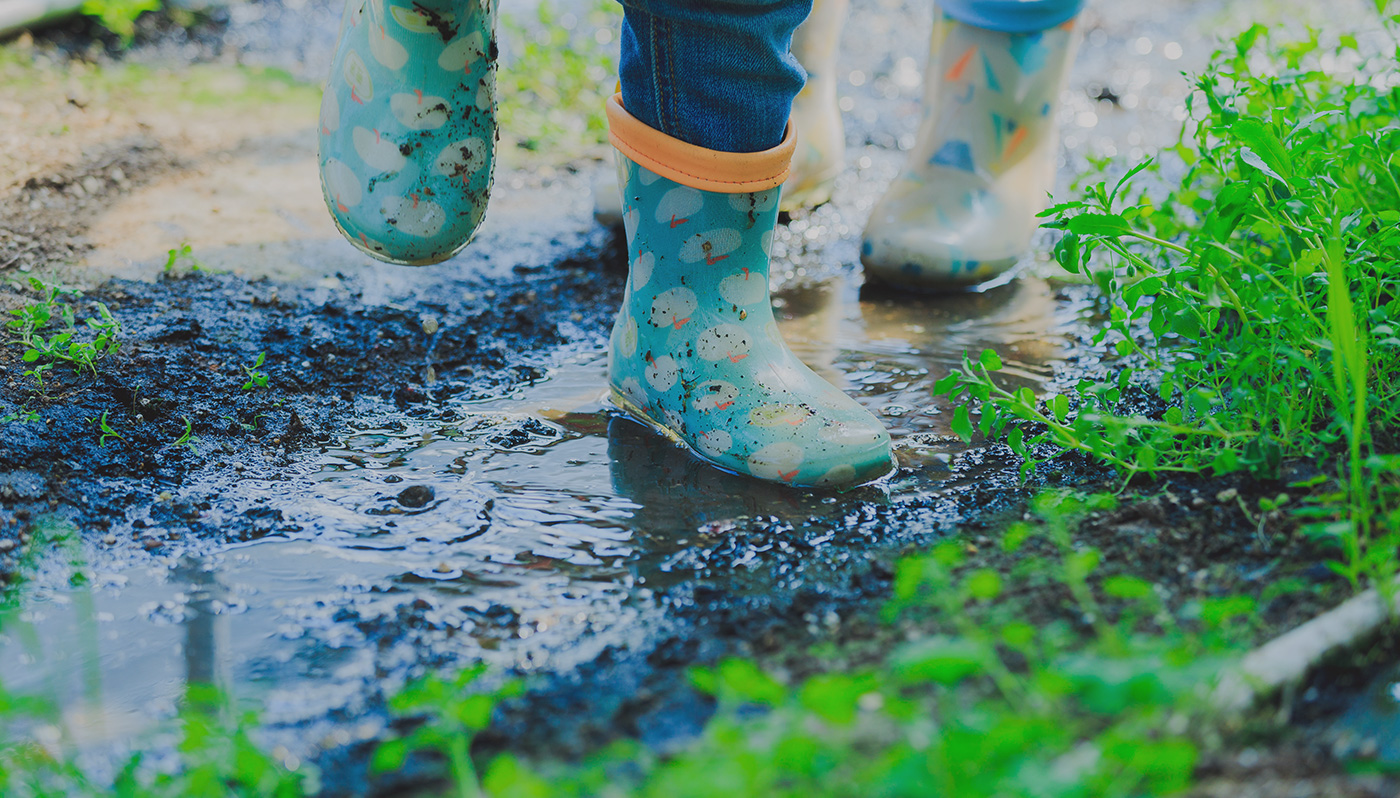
<point>408,126</point>
<point>696,353</point>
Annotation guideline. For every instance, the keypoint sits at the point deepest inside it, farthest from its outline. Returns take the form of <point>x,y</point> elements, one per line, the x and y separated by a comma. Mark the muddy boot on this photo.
<point>408,126</point>
<point>963,210</point>
<point>821,138</point>
<point>695,352</point>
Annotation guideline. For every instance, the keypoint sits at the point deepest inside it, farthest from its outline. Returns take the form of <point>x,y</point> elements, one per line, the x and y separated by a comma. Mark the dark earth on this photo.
<point>430,476</point>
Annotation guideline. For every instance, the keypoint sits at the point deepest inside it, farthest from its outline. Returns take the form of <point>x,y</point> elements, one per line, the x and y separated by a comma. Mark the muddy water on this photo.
<point>532,530</point>
<point>538,530</point>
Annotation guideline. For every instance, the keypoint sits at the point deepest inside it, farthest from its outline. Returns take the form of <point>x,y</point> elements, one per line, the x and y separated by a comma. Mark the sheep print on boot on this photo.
<point>696,353</point>
<point>408,126</point>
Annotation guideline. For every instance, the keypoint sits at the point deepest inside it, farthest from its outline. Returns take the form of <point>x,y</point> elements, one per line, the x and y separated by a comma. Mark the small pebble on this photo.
<point>1227,495</point>
<point>109,539</point>
<point>429,324</point>
<point>7,545</point>
<point>416,496</point>
<point>443,568</point>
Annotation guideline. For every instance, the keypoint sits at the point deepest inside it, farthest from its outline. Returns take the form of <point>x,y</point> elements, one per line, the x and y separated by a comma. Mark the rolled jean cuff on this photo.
<point>718,75</point>
<point>1012,16</point>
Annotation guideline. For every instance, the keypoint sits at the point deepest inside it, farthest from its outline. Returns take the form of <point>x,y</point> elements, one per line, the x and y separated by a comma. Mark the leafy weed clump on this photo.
<point>48,332</point>
<point>1258,298</point>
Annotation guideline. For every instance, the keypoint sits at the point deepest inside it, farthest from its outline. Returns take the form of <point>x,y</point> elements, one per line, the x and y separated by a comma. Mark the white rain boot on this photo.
<point>963,210</point>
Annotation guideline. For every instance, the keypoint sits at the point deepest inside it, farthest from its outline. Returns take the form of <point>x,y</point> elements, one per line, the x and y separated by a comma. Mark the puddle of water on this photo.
<point>1369,728</point>
<point>530,531</point>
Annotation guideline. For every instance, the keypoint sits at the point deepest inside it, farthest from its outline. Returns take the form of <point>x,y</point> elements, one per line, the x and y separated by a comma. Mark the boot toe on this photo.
<point>856,454</point>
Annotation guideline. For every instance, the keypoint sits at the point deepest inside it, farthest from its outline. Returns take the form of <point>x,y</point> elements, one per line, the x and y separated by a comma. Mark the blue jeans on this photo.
<point>715,74</point>
<point>719,74</point>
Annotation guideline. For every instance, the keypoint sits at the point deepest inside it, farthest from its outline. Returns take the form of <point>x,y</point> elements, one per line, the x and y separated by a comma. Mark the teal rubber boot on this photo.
<point>695,352</point>
<point>963,209</point>
<point>408,126</point>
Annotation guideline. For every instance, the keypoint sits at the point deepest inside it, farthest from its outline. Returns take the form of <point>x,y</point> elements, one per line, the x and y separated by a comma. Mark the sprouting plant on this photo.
<point>30,328</point>
<point>246,426</point>
<point>107,431</point>
<point>256,378</point>
<point>178,255</point>
<point>21,415</point>
<point>119,16</point>
<point>188,438</point>
<point>453,717</point>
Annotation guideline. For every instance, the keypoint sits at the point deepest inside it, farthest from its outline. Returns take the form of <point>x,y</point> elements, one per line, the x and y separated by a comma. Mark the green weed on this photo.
<point>256,377</point>
<point>178,256</point>
<point>21,416</point>
<point>119,16</point>
<point>991,706</point>
<point>451,717</point>
<point>1256,299</point>
<point>48,332</point>
<point>188,438</point>
<point>107,431</point>
<point>554,91</point>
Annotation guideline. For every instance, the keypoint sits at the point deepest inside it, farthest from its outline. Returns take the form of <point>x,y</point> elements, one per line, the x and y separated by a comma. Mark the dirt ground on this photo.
<point>430,476</point>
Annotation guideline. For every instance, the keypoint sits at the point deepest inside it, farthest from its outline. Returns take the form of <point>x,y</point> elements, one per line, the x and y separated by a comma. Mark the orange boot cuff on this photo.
<point>697,167</point>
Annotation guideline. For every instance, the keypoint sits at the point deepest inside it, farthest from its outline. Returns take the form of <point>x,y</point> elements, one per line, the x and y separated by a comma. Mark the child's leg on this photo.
<point>703,142</point>
<point>964,208</point>
<point>408,126</point>
<point>821,137</point>
<point>719,75</point>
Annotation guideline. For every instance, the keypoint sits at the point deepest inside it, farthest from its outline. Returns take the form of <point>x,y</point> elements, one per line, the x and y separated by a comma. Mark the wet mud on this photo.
<point>432,476</point>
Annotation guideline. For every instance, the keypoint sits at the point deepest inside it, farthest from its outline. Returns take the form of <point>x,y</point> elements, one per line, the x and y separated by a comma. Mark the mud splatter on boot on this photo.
<point>408,126</point>
<point>696,354</point>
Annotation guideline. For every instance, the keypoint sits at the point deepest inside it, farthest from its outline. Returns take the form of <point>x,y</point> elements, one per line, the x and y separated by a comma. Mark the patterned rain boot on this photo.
<point>408,126</point>
<point>695,352</point>
<point>963,210</point>
<point>816,119</point>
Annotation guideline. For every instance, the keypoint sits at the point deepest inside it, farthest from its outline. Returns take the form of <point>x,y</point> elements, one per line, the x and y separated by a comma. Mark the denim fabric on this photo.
<point>1012,16</point>
<point>719,75</point>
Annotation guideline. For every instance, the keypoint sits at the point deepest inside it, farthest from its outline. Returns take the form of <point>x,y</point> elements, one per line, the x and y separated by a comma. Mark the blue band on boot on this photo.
<point>1012,16</point>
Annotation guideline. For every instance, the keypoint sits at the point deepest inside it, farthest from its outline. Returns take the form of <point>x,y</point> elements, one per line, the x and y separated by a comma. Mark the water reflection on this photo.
<point>206,624</point>
<point>534,530</point>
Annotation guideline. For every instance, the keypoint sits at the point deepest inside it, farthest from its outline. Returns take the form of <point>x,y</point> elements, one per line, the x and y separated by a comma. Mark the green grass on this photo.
<point>1256,299</point>
<point>132,86</point>
<point>554,86</point>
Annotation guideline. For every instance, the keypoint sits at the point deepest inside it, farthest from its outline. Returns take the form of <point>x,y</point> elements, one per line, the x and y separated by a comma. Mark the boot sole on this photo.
<point>631,409</point>
<point>379,256</point>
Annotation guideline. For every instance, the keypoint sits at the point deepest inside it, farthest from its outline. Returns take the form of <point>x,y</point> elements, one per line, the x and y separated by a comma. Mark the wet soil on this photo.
<point>431,477</point>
